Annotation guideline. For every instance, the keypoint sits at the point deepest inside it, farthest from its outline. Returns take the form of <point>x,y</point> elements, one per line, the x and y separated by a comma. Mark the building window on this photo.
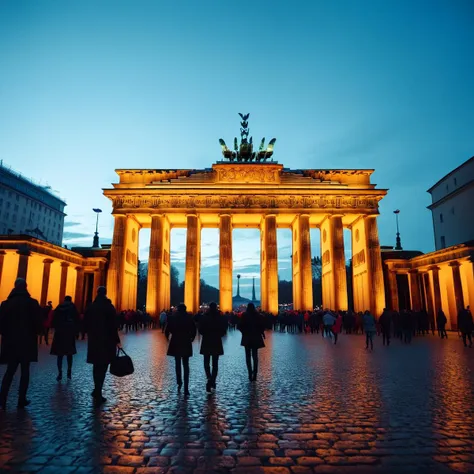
<point>14,218</point>
<point>441,218</point>
<point>443,242</point>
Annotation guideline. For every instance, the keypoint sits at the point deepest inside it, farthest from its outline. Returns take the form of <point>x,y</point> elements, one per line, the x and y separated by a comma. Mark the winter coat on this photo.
<point>252,327</point>
<point>386,321</point>
<point>337,326</point>
<point>20,324</point>
<point>100,324</point>
<point>465,323</point>
<point>66,325</point>
<point>182,329</point>
<point>212,327</point>
<point>368,322</point>
<point>441,319</point>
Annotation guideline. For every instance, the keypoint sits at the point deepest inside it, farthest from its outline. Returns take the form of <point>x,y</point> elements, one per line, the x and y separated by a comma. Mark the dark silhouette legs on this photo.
<point>465,337</point>
<point>211,375</point>
<point>60,367</point>
<point>386,338</point>
<point>24,382</point>
<point>251,355</point>
<point>369,339</point>
<point>98,372</point>
<point>185,362</point>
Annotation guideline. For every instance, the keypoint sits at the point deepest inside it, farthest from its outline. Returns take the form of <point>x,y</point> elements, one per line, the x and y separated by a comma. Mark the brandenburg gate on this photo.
<point>248,191</point>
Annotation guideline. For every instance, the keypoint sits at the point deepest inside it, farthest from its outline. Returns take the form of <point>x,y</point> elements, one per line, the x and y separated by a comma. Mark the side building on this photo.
<point>29,208</point>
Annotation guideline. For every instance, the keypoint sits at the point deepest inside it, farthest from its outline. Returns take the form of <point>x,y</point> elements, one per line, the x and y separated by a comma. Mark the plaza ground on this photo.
<point>316,407</point>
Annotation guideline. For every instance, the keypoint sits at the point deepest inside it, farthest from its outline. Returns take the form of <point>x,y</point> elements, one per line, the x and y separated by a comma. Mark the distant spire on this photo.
<point>253,290</point>
<point>238,285</point>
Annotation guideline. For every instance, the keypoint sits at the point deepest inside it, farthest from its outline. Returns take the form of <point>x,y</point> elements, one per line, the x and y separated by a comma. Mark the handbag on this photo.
<point>122,365</point>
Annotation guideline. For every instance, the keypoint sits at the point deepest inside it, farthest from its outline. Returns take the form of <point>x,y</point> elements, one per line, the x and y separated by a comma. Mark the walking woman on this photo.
<point>182,329</point>
<point>368,323</point>
<point>66,326</point>
<point>252,327</point>
<point>212,327</point>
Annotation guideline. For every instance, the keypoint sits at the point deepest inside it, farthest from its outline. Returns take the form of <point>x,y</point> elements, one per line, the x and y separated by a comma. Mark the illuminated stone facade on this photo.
<point>438,280</point>
<point>233,195</point>
<point>51,272</point>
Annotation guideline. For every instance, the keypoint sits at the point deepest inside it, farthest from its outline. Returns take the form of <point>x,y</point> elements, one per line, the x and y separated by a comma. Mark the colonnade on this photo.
<point>368,276</point>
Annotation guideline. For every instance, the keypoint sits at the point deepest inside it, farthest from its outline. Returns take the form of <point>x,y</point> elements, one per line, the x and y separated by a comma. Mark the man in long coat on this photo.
<point>100,322</point>
<point>466,325</point>
<point>20,324</point>
<point>212,327</point>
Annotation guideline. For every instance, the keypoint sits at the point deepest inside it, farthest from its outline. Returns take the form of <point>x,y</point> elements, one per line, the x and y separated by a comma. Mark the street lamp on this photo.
<point>398,245</point>
<point>95,243</point>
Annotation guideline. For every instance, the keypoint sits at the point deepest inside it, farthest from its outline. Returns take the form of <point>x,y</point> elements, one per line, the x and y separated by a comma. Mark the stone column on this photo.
<point>154,293</point>
<point>429,295</point>
<point>225,262</point>
<point>436,290</point>
<point>458,295</point>
<point>97,280</point>
<point>306,273</point>
<point>374,267</point>
<point>392,281</point>
<point>296,267</point>
<point>78,294</point>
<point>414,290</point>
<point>115,275</point>
<point>338,263</point>
<point>45,282</point>
<point>166,264</point>
<point>192,274</point>
<point>63,282</point>
<point>2,257</point>
<point>23,263</point>
<point>263,274</point>
<point>271,263</point>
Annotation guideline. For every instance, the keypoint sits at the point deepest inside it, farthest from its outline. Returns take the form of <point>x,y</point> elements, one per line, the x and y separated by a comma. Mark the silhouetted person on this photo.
<point>407,326</point>
<point>441,321</point>
<point>368,322</point>
<point>385,322</point>
<point>252,327</point>
<point>100,323</point>
<point>212,327</point>
<point>46,325</point>
<point>66,326</point>
<point>182,329</point>
<point>465,325</point>
<point>337,327</point>
<point>20,324</point>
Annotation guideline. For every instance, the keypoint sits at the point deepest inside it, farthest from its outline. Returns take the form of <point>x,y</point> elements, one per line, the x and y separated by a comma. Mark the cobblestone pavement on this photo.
<point>315,408</point>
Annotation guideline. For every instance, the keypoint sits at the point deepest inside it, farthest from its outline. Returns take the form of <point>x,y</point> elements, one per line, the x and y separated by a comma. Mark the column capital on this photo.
<point>413,271</point>
<point>454,264</point>
<point>2,252</point>
<point>434,268</point>
<point>24,252</point>
<point>65,264</point>
<point>79,269</point>
<point>47,261</point>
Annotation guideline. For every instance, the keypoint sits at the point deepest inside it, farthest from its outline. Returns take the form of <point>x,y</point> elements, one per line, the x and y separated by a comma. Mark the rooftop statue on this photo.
<point>244,152</point>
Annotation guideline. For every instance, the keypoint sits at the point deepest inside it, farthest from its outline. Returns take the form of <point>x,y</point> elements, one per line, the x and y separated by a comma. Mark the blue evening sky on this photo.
<point>90,86</point>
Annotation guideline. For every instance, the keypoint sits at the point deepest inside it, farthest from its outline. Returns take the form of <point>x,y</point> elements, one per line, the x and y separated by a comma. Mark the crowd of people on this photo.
<point>24,324</point>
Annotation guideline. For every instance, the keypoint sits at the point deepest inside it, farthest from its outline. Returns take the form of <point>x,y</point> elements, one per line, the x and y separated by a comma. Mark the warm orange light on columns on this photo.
<point>339,263</point>
<point>225,262</point>
<point>436,289</point>
<point>166,264</point>
<point>296,255</point>
<point>429,294</point>
<point>393,287</point>
<point>263,273</point>
<point>155,284</point>
<point>2,257</point>
<point>458,294</point>
<point>78,296</point>
<point>63,283</point>
<point>193,254</point>
<point>306,274</point>
<point>115,275</point>
<point>97,281</point>
<point>45,282</point>
<point>414,290</point>
<point>374,266</point>
<point>271,263</point>
<point>23,263</point>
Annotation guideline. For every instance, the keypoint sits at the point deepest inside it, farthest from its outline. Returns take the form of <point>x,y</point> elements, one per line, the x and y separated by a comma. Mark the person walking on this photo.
<point>100,324</point>
<point>328,323</point>
<point>385,322</point>
<point>368,322</point>
<point>252,327</point>
<point>466,325</point>
<point>47,316</point>
<point>212,327</point>
<point>441,321</point>
<point>20,325</point>
<point>181,327</point>
<point>337,327</point>
<point>66,326</point>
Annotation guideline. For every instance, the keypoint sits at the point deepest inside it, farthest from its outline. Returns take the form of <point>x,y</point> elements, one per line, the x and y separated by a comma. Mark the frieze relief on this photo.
<point>247,174</point>
<point>246,202</point>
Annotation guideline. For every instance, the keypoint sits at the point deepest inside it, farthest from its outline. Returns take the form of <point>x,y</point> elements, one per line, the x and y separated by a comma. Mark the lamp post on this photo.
<point>398,245</point>
<point>95,242</point>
